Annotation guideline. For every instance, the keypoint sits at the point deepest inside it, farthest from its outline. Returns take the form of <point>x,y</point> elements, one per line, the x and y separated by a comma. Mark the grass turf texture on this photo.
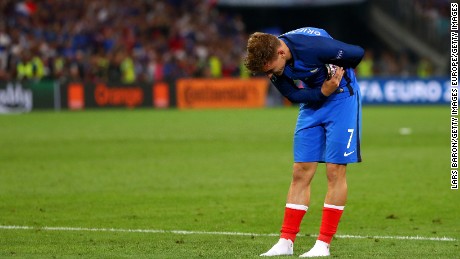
<point>215,170</point>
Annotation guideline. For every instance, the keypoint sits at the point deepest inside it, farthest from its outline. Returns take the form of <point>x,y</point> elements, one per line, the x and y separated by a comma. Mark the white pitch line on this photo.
<point>187,232</point>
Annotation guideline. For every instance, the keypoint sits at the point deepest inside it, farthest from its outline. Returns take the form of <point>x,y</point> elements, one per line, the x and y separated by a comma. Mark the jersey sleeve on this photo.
<point>294,94</point>
<point>339,53</point>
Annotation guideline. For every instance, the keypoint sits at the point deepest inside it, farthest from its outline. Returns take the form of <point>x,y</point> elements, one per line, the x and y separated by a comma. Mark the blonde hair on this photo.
<point>261,49</point>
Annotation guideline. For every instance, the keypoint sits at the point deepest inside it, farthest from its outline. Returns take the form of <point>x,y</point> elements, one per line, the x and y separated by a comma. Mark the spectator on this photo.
<point>407,67</point>
<point>77,67</point>
<point>215,66</point>
<point>424,68</point>
<point>29,67</point>
<point>365,69</point>
<point>128,71</point>
<point>5,42</point>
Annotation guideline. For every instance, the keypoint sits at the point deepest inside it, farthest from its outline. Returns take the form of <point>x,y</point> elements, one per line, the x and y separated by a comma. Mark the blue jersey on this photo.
<point>312,48</point>
<point>328,129</point>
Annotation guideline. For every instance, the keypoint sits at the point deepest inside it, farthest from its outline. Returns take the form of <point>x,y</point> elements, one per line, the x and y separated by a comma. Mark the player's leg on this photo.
<point>298,200</point>
<point>343,130</point>
<point>334,205</point>
<point>336,184</point>
<point>308,149</point>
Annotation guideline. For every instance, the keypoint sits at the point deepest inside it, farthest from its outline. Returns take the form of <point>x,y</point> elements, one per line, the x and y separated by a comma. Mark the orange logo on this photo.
<point>118,96</point>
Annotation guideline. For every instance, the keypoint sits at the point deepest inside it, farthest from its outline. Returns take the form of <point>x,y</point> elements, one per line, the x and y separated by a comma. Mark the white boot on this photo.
<point>319,249</point>
<point>283,247</point>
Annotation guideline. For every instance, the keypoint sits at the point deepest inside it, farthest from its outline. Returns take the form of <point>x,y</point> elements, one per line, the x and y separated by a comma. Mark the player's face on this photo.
<point>275,67</point>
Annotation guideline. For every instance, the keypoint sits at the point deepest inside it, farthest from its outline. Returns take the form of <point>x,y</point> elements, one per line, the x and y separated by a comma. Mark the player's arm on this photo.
<point>294,94</point>
<point>339,53</point>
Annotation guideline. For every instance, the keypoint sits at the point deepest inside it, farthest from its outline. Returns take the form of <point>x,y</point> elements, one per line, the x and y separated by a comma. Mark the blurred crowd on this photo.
<point>386,63</point>
<point>437,14</point>
<point>123,40</point>
<point>427,20</point>
<point>135,40</point>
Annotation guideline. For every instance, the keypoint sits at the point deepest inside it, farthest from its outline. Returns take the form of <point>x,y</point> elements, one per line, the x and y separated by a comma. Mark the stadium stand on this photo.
<point>129,40</point>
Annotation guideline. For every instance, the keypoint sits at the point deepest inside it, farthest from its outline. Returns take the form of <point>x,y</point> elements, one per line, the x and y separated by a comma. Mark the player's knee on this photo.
<point>336,174</point>
<point>303,173</point>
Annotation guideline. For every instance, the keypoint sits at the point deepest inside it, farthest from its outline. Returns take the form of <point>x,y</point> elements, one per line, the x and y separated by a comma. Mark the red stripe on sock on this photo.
<point>329,223</point>
<point>291,223</point>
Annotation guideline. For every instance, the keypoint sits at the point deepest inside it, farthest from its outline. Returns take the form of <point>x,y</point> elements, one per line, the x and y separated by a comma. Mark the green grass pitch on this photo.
<point>216,171</point>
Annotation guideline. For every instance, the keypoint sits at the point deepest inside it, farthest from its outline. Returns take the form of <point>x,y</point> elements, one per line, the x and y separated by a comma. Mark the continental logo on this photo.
<point>118,96</point>
<point>221,93</point>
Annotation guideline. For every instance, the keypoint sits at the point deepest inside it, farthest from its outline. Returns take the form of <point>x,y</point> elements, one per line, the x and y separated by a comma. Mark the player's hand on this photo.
<point>331,85</point>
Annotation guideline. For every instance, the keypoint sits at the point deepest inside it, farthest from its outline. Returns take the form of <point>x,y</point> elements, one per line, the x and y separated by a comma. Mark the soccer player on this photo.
<point>328,128</point>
